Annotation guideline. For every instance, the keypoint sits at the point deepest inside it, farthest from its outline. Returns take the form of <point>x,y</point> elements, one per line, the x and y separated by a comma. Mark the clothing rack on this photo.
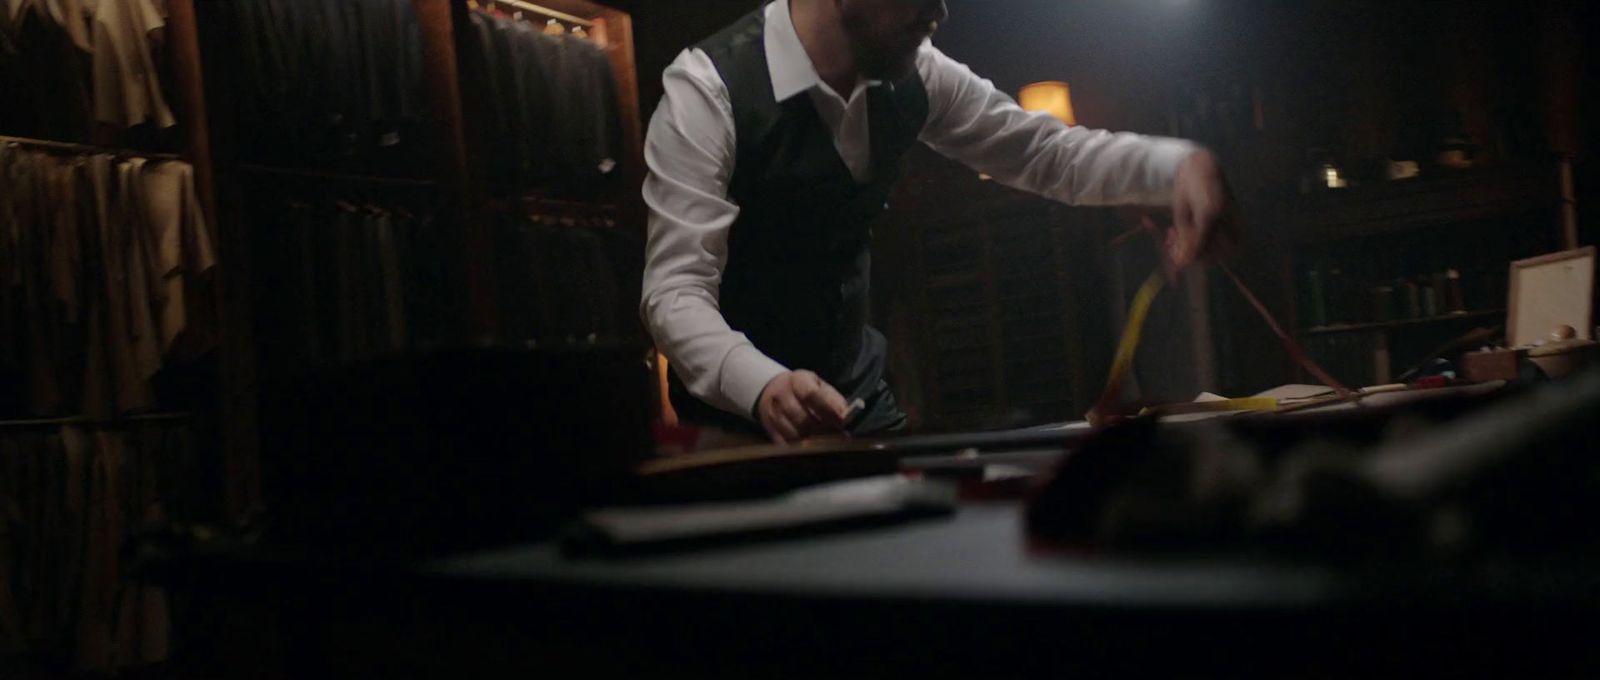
<point>335,176</point>
<point>84,148</point>
<point>559,16</point>
<point>85,421</point>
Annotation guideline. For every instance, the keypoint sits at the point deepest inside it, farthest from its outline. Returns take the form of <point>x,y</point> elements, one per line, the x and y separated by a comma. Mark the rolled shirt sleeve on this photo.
<point>690,154</point>
<point>973,122</point>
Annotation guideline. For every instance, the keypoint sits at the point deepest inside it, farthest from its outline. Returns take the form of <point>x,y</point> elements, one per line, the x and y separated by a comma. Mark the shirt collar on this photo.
<point>787,62</point>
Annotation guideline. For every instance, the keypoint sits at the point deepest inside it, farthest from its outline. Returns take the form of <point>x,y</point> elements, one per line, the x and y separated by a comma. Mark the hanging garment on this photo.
<point>13,356</point>
<point>306,305</point>
<point>549,106</point>
<point>70,499</point>
<point>143,620</point>
<point>40,322</point>
<point>428,300</point>
<point>127,88</point>
<point>106,281</point>
<point>533,137</point>
<point>60,227</point>
<point>498,103</point>
<point>110,385</point>
<point>392,337</point>
<point>12,543</point>
<point>134,247</point>
<point>347,272</point>
<point>44,65</point>
<point>394,63</point>
<point>71,17</point>
<point>180,259</point>
<point>331,84</point>
<point>344,280</point>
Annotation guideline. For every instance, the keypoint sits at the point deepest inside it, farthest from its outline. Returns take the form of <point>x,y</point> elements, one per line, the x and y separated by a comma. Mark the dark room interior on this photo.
<point>798,338</point>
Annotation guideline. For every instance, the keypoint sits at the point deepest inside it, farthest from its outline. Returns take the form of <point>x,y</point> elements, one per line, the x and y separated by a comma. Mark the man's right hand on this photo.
<point>798,404</point>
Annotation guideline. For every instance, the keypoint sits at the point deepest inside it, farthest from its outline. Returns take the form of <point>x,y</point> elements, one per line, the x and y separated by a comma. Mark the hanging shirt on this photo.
<point>180,247</point>
<point>136,249</point>
<point>70,16</point>
<point>690,154</point>
<point>43,69</point>
<point>127,89</point>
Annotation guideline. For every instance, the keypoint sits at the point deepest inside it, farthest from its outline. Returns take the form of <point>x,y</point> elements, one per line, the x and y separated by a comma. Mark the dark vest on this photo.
<point>799,254</point>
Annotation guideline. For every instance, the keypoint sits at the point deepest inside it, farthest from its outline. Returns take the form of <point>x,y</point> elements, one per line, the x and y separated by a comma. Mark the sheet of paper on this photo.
<point>1295,392</point>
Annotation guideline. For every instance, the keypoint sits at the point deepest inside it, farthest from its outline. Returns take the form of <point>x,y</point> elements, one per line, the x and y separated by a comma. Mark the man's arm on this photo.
<point>690,153</point>
<point>972,122</point>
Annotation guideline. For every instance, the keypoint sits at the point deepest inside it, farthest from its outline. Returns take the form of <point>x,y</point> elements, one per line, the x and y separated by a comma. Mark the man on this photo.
<point>777,143</point>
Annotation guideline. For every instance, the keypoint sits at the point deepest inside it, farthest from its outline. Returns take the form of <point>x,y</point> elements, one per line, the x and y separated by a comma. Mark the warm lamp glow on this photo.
<point>1053,97</point>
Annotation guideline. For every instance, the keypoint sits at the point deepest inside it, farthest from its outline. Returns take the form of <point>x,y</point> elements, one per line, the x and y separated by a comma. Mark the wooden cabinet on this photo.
<point>443,171</point>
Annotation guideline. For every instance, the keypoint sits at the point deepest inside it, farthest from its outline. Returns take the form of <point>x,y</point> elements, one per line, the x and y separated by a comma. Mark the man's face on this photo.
<point>886,34</point>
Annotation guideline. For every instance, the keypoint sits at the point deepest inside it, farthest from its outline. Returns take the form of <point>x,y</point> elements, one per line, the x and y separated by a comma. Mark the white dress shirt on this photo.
<point>690,153</point>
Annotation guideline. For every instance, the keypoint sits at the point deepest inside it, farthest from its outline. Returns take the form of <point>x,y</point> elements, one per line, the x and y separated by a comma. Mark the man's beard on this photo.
<point>876,61</point>
<point>887,65</point>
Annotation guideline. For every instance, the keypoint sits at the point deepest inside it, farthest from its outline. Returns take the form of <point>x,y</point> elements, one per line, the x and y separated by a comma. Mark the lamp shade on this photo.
<point>1053,97</point>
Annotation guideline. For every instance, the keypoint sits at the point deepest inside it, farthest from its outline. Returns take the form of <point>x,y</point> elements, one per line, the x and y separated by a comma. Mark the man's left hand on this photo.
<point>1201,212</point>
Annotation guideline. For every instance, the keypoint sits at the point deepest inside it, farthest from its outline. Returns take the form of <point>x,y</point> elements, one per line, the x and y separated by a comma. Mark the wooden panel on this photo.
<point>184,43</point>
<point>447,131</point>
<point>619,27</point>
<point>237,403</point>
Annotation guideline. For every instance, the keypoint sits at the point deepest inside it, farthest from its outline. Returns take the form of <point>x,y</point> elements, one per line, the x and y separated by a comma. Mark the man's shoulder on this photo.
<point>694,66</point>
<point>745,32</point>
<point>943,76</point>
<point>931,60</point>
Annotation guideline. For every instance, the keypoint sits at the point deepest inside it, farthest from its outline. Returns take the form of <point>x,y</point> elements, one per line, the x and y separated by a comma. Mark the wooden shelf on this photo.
<point>1389,207</point>
<point>1399,323</point>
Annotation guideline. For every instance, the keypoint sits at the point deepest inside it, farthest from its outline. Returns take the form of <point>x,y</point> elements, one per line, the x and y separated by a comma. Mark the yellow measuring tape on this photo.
<point>1129,345</point>
<point>1106,409</point>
